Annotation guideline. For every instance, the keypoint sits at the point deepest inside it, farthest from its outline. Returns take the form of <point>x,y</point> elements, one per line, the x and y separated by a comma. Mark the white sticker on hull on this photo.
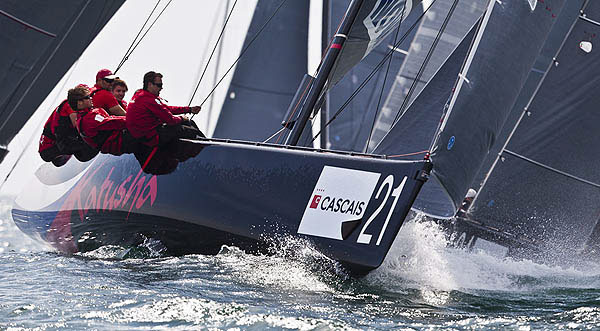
<point>340,195</point>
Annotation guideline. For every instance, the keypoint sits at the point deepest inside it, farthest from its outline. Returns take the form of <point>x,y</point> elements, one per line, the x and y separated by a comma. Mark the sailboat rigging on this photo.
<point>201,194</point>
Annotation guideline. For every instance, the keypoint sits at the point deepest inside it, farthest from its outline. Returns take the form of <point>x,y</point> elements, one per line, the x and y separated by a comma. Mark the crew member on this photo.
<point>102,96</point>
<point>466,204</point>
<point>119,88</point>
<point>60,139</point>
<point>151,120</point>
<point>100,130</point>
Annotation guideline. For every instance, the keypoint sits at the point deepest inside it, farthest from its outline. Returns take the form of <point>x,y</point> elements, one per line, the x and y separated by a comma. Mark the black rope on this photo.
<point>134,39</point>
<point>377,68</point>
<point>413,86</point>
<point>213,52</point>
<point>133,47</point>
<point>384,81</point>
<point>126,55</point>
<point>242,53</point>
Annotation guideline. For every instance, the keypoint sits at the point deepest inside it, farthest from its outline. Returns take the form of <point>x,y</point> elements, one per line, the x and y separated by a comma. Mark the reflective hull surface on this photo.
<point>197,196</point>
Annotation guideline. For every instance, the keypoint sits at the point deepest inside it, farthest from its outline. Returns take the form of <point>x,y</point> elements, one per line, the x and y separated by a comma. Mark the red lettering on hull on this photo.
<point>108,197</point>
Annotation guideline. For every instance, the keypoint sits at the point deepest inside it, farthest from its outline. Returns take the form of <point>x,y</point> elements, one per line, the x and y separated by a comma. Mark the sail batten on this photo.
<point>462,77</point>
<point>547,167</point>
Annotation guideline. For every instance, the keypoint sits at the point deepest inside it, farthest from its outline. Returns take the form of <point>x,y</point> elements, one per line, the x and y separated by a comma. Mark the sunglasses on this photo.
<point>158,84</point>
<point>108,80</point>
<point>87,97</point>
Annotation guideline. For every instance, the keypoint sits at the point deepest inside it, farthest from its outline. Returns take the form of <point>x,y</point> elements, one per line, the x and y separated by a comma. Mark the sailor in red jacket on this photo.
<point>100,130</point>
<point>60,139</point>
<point>152,121</point>
<point>102,96</point>
<point>118,89</point>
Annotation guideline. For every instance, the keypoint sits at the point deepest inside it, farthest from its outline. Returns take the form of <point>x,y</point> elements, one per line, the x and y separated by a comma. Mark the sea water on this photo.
<point>422,284</point>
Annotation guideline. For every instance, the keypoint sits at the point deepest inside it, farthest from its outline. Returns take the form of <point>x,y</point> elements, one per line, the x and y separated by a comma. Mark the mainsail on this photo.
<point>375,20</point>
<point>485,93</point>
<point>350,128</point>
<point>268,74</point>
<point>463,16</point>
<point>40,41</point>
<point>545,186</point>
<point>425,114</point>
<point>366,24</point>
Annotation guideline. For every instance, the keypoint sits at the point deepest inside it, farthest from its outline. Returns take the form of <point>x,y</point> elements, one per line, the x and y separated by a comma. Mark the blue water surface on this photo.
<point>422,285</point>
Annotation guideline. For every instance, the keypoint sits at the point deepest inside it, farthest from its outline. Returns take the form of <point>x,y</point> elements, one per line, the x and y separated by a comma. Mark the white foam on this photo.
<point>279,271</point>
<point>421,258</point>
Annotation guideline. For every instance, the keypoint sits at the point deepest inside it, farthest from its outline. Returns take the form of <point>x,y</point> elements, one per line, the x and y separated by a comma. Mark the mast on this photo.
<point>325,28</point>
<point>319,82</point>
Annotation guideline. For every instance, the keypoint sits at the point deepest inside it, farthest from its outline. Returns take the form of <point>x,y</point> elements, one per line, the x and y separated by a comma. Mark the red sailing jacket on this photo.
<point>102,98</point>
<point>57,125</point>
<point>146,112</point>
<point>101,130</point>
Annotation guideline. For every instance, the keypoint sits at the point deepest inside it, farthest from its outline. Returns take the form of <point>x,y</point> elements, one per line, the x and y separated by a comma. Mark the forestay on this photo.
<point>350,129</point>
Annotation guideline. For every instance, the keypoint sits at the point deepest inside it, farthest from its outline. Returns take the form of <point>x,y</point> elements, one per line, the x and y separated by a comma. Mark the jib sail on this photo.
<point>485,93</point>
<point>425,114</point>
<point>545,186</point>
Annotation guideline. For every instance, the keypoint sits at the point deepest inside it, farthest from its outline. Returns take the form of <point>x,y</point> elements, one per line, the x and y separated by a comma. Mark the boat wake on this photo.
<point>421,257</point>
<point>150,248</point>
<point>293,264</point>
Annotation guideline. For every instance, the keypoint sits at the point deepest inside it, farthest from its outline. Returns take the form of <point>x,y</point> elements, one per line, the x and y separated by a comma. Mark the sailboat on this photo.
<point>537,191</point>
<point>202,194</point>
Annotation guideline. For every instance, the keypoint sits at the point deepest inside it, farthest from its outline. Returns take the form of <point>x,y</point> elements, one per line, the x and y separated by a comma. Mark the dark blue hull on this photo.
<point>197,196</point>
